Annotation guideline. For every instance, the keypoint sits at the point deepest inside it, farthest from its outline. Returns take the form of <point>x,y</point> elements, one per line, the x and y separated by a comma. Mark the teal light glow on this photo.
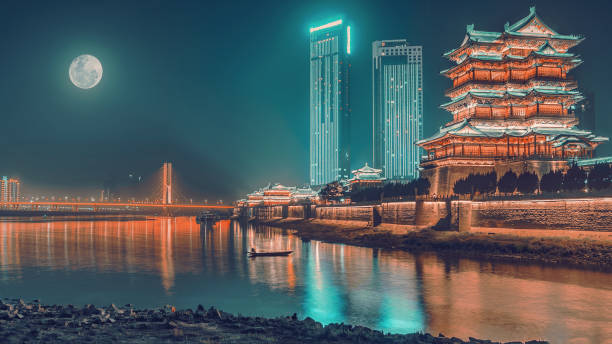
<point>323,300</point>
<point>348,40</point>
<point>328,25</point>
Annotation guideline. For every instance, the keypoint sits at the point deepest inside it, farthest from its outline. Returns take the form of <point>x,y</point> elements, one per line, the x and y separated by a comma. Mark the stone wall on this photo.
<point>399,212</point>
<point>447,172</point>
<point>296,211</point>
<point>347,213</point>
<point>587,215</point>
<point>570,214</point>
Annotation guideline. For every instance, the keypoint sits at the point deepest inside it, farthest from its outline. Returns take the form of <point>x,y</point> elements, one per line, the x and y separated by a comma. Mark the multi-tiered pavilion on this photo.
<point>512,104</point>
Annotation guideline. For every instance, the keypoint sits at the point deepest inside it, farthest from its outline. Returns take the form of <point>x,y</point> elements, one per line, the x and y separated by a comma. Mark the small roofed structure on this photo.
<point>304,195</point>
<point>366,176</point>
<point>279,194</point>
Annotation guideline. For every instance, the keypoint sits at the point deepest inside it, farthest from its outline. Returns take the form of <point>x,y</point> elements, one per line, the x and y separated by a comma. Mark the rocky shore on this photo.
<point>575,252</point>
<point>33,322</point>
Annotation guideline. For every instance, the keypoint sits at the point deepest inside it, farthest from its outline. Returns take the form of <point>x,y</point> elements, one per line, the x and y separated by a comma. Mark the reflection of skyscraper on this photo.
<point>397,71</point>
<point>585,112</point>
<point>9,189</point>
<point>330,47</point>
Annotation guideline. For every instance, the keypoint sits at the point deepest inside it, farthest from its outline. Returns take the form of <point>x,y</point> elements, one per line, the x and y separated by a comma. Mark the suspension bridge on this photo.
<point>166,200</point>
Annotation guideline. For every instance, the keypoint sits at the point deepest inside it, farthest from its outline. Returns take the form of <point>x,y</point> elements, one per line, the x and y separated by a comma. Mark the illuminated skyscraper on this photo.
<point>9,189</point>
<point>397,114</point>
<point>330,113</point>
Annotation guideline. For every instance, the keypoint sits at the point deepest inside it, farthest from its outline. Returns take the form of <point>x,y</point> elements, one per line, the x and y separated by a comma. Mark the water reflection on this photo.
<point>172,260</point>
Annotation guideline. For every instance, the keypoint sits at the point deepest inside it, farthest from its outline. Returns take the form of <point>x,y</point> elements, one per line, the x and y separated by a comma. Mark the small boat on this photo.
<point>269,254</point>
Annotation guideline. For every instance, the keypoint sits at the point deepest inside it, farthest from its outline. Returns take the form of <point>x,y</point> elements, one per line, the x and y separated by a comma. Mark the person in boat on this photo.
<point>253,250</point>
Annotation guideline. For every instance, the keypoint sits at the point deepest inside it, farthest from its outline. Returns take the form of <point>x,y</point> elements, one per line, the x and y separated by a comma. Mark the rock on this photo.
<point>6,306</point>
<point>114,309</point>
<point>213,313</point>
<point>6,315</point>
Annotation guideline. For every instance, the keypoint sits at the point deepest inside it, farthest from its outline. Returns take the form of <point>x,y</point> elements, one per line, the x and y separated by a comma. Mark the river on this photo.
<point>158,261</point>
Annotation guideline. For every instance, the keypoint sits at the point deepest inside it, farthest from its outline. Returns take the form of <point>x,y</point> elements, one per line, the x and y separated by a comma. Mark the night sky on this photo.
<point>221,88</point>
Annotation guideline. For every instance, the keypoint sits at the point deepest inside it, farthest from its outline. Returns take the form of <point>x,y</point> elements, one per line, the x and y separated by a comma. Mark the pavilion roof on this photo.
<point>559,134</point>
<point>546,50</point>
<point>594,161</point>
<point>532,25</point>
<point>367,173</point>
<point>529,26</point>
<point>492,94</point>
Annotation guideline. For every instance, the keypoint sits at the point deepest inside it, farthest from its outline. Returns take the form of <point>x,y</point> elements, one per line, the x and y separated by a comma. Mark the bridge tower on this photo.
<point>167,183</point>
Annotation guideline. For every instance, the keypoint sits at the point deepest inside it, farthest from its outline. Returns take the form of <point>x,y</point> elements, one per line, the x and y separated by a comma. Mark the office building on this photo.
<point>330,112</point>
<point>397,114</point>
<point>9,189</point>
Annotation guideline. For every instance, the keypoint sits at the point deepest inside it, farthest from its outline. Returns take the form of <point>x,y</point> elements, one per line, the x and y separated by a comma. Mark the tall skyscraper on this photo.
<point>397,114</point>
<point>330,113</point>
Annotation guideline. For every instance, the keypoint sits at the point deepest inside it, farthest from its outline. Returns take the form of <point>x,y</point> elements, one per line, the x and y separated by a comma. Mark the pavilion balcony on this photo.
<point>521,113</point>
<point>505,158</point>
<point>568,84</point>
<point>502,77</point>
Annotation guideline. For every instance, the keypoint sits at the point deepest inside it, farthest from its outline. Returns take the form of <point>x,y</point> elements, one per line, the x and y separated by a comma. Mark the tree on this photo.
<point>332,191</point>
<point>508,182</point>
<point>484,183</point>
<point>552,181</point>
<point>463,186</point>
<point>366,193</point>
<point>527,183</point>
<point>600,177</point>
<point>574,179</point>
<point>422,186</point>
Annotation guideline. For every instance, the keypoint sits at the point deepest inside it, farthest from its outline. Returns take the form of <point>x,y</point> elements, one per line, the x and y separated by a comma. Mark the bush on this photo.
<point>508,182</point>
<point>422,186</point>
<point>482,183</point>
<point>463,187</point>
<point>368,193</point>
<point>574,179</point>
<point>600,177</point>
<point>332,191</point>
<point>527,183</point>
<point>485,183</point>
<point>552,181</point>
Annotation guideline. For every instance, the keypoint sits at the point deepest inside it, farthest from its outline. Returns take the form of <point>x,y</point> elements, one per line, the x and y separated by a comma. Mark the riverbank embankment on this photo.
<point>559,249</point>
<point>22,322</point>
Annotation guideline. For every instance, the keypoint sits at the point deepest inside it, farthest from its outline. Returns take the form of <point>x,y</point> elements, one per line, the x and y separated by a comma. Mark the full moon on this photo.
<point>85,71</point>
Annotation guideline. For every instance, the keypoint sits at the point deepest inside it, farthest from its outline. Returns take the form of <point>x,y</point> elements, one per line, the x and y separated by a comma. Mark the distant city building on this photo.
<point>585,112</point>
<point>512,106</point>
<point>366,176</point>
<point>397,114</point>
<point>330,112</point>
<point>10,189</point>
